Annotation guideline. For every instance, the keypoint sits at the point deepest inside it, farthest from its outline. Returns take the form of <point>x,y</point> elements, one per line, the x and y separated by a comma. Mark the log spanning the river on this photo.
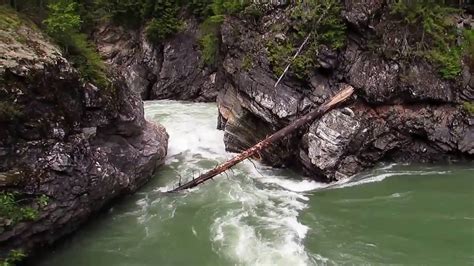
<point>343,95</point>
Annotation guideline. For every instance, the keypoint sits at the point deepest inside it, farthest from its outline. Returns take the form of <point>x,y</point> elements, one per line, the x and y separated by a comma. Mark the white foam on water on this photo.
<point>365,180</point>
<point>295,185</point>
<point>265,229</point>
<point>260,226</point>
<point>380,175</point>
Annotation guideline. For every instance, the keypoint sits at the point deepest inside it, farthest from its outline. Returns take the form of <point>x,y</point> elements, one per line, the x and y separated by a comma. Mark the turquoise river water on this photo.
<point>255,215</point>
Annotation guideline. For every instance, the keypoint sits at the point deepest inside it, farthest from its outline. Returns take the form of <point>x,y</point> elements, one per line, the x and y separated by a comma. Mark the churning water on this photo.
<point>255,215</point>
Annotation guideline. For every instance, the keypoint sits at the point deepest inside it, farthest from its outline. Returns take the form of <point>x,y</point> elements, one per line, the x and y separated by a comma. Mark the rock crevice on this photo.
<point>403,110</point>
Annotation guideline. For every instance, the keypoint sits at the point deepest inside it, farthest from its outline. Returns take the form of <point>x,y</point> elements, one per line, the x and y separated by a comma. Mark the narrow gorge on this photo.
<point>105,105</point>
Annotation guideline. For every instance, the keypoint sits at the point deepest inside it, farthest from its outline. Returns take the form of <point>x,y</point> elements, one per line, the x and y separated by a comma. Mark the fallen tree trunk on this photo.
<point>306,119</point>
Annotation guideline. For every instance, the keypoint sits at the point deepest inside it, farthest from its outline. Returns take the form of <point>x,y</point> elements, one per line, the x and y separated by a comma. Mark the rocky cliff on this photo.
<point>403,109</point>
<point>172,69</point>
<point>67,147</point>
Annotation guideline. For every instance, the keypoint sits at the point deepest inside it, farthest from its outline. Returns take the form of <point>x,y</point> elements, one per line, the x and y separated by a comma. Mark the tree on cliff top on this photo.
<point>63,24</point>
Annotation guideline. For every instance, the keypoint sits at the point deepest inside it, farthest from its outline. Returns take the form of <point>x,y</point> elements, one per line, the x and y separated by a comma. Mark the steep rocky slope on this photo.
<point>67,148</point>
<point>403,109</point>
<point>170,70</point>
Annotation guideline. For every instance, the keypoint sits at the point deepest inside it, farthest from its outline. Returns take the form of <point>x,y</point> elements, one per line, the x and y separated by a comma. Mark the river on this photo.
<point>255,215</point>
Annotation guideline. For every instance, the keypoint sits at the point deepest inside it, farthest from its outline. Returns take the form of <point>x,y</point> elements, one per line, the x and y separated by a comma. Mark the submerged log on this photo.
<point>344,94</point>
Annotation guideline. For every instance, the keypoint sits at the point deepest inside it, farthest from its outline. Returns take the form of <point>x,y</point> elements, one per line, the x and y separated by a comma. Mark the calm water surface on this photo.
<point>254,215</point>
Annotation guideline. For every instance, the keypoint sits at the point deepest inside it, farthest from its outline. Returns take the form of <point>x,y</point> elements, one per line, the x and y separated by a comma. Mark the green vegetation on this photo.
<point>43,201</point>
<point>215,10</point>
<point>209,39</point>
<point>62,21</point>
<point>13,211</point>
<point>65,20</point>
<point>469,48</point>
<point>85,58</point>
<point>63,24</point>
<point>253,12</point>
<point>319,19</point>
<point>469,107</point>
<point>14,257</point>
<point>9,111</point>
<point>15,208</point>
<point>164,22</point>
<point>8,19</point>
<point>432,34</point>
<point>247,63</point>
<point>280,54</point>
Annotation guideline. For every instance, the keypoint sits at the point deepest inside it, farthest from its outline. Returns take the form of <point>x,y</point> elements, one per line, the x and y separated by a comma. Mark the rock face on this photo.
<point>78,145</point>
<point>171,70</point>
<point>403,110</point>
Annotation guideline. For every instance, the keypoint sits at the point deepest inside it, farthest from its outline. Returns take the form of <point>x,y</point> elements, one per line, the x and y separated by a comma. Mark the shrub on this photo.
<point>319,19</point>
<point>448,61</point>
<point>322,18</point>
<point>11,210</point>
<point>247,63</point>
<point>469,107</point>
<point>228,7</point>
<point>63,24</point>
<point>469,48</point>
<point>209,40</point>
<point>210,48</point>
<point>14,256</point>
<point>164,21</point>
<point>62,20</point>
<point>85,58</point>
<point>279,54</point>
<point>201,8</point>
<point>158,30</point>
<point>435,35</point>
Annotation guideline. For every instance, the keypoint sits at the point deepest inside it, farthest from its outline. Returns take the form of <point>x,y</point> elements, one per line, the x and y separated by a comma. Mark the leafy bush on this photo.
<point>62,20</point>
<point>469,107</point>
<point>85,58</point>
<point>209,39</point>
<point>158,30</point>
<point>63,25</point>
<point>319,19</point>
<point>469,48</point>
<point>254,12</point>
<point>247,63</point>
<point>448,60</point>
<point>14,256</point>
<point>11,210</point>
<point>164,21</point>
<point>201,8</point>
<point>209,47</point>
<point>279,54</point>
<point>435,35</point>
<point>228,7</point>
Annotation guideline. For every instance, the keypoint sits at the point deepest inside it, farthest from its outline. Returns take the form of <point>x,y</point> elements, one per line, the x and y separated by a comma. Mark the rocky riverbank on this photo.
<point>404,111</point>
<point>171,70</point>
<point>67,147</point>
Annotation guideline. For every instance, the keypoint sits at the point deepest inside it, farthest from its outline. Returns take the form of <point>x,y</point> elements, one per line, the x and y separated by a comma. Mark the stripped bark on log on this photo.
<point>343,95</point>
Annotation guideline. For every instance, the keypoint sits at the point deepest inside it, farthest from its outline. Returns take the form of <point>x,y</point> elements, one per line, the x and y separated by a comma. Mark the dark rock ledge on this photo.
<point>78,145</point>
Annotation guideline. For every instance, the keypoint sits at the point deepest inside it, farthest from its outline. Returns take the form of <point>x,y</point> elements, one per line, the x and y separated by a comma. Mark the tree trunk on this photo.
<point>344,94</point>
